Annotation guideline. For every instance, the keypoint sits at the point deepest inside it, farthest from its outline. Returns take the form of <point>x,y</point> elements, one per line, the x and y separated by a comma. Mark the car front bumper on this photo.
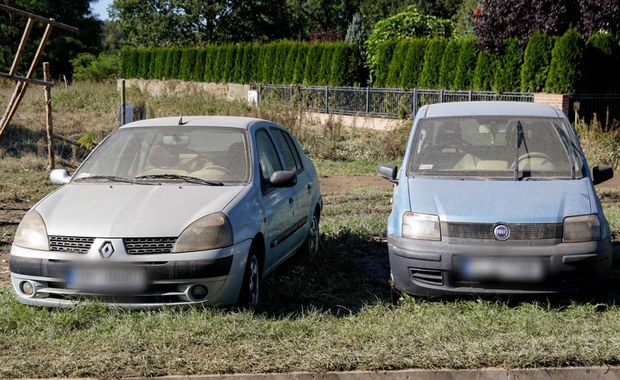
<point>469,266</point>
<point>58,280</point>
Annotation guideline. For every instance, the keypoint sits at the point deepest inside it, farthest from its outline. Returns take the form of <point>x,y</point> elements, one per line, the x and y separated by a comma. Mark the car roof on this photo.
<point>200,121</point>
<point>493,108</point>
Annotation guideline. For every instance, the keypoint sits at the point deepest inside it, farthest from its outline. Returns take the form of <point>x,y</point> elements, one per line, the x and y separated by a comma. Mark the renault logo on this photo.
<point>106,250</point>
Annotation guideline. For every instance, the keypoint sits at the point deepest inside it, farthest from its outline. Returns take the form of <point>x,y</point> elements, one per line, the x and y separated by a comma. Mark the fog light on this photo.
<point>27,288</point>
<point>197,292</point>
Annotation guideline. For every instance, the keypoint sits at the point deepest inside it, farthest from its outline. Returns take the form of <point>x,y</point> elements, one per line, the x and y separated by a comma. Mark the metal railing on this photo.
<point>369,101</point>
<point>605,108</point>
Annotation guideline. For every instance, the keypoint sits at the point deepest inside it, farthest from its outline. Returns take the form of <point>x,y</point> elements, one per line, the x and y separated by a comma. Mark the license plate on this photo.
<point>109,280</point>
<point>502,269</point>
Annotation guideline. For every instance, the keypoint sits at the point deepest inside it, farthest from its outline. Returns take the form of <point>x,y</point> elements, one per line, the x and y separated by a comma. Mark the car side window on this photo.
<point>292,160</point>
<point>267,154</point>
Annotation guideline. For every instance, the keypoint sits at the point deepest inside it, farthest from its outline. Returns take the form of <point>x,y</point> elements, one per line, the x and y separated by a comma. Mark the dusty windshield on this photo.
<point>213,155</point>
<point>495,147</point>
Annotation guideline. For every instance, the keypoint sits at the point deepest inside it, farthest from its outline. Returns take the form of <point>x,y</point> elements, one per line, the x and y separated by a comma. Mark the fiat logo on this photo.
<point>106,250</point>
<point>501,232</point>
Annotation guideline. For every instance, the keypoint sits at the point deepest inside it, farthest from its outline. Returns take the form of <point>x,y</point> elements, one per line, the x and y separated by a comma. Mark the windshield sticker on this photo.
<point>426,167</point>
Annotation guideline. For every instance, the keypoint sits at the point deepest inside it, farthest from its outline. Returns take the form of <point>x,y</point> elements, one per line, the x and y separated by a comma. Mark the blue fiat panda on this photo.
<point>496,198</point>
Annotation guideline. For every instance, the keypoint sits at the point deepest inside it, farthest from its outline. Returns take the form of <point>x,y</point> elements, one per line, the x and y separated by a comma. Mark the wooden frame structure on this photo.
<point>23,81</point>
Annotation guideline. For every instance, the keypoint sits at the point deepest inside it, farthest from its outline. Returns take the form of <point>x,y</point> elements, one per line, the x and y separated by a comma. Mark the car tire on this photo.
<point>311,244</point>
<point>249,296</point>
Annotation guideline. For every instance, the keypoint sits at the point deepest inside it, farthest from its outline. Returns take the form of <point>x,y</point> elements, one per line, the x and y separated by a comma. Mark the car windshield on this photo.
<point>199,155</point>
<point>495,147</point>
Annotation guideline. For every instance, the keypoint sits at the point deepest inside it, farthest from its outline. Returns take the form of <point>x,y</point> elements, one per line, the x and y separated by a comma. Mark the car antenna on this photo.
<point>181,122</point>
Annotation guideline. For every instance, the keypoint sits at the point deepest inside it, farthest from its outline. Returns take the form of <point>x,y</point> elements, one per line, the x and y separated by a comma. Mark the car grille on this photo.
<point>146,246</point>
<point>518,231</point>
<point>71,244</point>
<point>133,246</point>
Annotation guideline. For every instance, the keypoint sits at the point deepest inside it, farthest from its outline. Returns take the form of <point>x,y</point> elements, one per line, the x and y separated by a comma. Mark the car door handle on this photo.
<point>309,187</point>
<point>291,200</point>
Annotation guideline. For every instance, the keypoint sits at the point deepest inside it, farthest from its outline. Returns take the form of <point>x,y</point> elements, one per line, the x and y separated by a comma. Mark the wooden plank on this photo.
<point>49,127</point>
<point>29,80</point>
<point>45,20</point>
<point>22,45</point>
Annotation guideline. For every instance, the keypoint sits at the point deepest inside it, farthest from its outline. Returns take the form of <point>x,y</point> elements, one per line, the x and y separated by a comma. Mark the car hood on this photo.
<point>501,201</point>
<point>125,210</point>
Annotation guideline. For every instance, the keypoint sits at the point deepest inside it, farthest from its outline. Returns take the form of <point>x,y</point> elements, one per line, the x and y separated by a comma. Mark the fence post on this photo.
<point>260,90</point>
<point>414,110</point>
<point>441,94</point>
<point>367,100</point>
<point>470,95</point>
<point>123,118</point>
<point>326,99</point>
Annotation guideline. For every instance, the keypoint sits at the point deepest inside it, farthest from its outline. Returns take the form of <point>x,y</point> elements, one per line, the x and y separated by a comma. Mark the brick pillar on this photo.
<point>559,101</point>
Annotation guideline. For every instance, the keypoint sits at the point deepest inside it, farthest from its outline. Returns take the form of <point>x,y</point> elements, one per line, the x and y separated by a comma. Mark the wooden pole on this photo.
<point>49,128</point>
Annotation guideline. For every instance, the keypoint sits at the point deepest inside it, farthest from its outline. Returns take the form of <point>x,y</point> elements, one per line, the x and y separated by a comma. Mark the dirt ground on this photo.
<point>329,185</point>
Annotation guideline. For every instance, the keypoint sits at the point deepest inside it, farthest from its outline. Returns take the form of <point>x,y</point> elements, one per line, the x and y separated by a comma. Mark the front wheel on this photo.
<point>250,288</point>
<point>311,245</point>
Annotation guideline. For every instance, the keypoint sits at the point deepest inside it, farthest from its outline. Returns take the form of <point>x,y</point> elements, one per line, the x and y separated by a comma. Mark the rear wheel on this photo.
<point>250,288</point>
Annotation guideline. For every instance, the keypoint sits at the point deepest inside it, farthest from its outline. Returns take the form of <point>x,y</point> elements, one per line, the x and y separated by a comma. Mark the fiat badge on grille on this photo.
<point>501,232</point>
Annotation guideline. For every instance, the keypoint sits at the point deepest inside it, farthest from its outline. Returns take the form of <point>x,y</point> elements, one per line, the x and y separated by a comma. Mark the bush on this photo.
<point>484,72</point>
<point>404,25</point>
<point>602,59</point>
<point>289,66</point>
<point>507,72</point>
<point>384,58</point>
<point>325,65</point>
<point>413,63</point>
<point>300,63</point>
<point>87,66</point>
<point>566,59</point>
<point>449,61</point>
<point>397,64</point>
<point>536,62</point>
<point>466,64</point>
<point>313,64</point>
<point>188,61</point>
<point>429,78</point>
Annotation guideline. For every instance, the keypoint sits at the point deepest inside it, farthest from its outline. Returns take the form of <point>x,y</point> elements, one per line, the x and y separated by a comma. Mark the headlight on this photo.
<point>581,228</point>
<point>210,232</point>
<point>421,226</point>
<point>31,232</point>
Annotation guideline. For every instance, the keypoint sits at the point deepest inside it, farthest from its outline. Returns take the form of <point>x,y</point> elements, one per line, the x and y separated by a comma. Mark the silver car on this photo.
<point>170,211</point>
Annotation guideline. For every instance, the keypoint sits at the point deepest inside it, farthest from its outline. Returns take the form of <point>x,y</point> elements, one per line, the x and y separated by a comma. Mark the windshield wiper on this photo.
<point>185,178</point>
<point>518,140</point>
<point>109,178</point>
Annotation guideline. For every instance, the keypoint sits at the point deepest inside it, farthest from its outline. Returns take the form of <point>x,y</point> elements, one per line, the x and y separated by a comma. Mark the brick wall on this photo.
<point>559,101</point>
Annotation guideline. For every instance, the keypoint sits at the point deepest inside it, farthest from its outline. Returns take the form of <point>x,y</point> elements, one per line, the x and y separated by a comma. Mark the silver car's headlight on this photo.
<point>32,233</point>
<point>581,228</point>
<point>209,232</point>
<point>421,226</point>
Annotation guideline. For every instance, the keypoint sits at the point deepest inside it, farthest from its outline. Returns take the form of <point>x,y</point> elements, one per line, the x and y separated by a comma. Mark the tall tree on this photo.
<point>62,46</point>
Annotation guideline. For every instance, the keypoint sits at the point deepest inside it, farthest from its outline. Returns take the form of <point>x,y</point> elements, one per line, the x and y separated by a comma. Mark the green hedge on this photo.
<point>282,62</point>
<point>554,64</point>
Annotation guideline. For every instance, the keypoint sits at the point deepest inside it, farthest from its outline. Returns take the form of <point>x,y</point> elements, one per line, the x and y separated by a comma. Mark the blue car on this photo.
<point>496,198</point>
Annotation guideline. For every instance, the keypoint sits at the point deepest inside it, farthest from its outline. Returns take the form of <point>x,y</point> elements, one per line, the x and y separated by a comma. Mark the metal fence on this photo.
<point>605,108</point>
<point>368,101</point>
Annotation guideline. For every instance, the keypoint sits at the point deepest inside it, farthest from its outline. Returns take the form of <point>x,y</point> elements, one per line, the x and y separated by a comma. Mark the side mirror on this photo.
<point>282,178</point>
<point>59,177</point>
<point>602,173</point>
<point>388,172</point>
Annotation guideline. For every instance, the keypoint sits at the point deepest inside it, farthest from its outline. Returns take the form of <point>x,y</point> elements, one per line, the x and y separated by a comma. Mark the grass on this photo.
<point>330,312</point>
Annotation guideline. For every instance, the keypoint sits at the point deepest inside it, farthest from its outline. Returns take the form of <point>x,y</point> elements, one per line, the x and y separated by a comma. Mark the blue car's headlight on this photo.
<point>421,226</point>
<point>209,232</point>
<point>32,233</point>
<point>581,228</point>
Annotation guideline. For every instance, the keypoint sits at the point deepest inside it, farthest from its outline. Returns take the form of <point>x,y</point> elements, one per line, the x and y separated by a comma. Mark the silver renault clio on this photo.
<point>170,211</point>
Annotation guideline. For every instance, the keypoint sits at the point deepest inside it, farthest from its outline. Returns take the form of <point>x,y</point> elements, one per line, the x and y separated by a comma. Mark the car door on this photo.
<point>303,189</point>
<point>277,204</point>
